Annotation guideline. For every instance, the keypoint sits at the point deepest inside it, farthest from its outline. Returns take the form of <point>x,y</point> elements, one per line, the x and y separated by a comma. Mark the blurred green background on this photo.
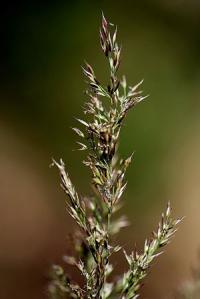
<point>43,45</point>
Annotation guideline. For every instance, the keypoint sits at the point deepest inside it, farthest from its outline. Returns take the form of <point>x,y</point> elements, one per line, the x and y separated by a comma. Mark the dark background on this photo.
<point>43,45</point>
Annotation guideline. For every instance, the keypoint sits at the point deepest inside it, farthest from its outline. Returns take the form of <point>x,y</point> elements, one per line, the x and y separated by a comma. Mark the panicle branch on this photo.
<point>140,263</point>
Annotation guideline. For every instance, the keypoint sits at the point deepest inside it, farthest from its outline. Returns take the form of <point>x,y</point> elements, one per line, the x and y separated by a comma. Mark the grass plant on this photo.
<point>106,110</point>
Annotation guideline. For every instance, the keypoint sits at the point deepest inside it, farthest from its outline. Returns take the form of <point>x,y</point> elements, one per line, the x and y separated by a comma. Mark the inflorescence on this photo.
<point>107,108</point>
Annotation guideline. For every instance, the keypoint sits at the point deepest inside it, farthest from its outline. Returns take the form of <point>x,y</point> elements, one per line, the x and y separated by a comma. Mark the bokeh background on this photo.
<point>43,45</point>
